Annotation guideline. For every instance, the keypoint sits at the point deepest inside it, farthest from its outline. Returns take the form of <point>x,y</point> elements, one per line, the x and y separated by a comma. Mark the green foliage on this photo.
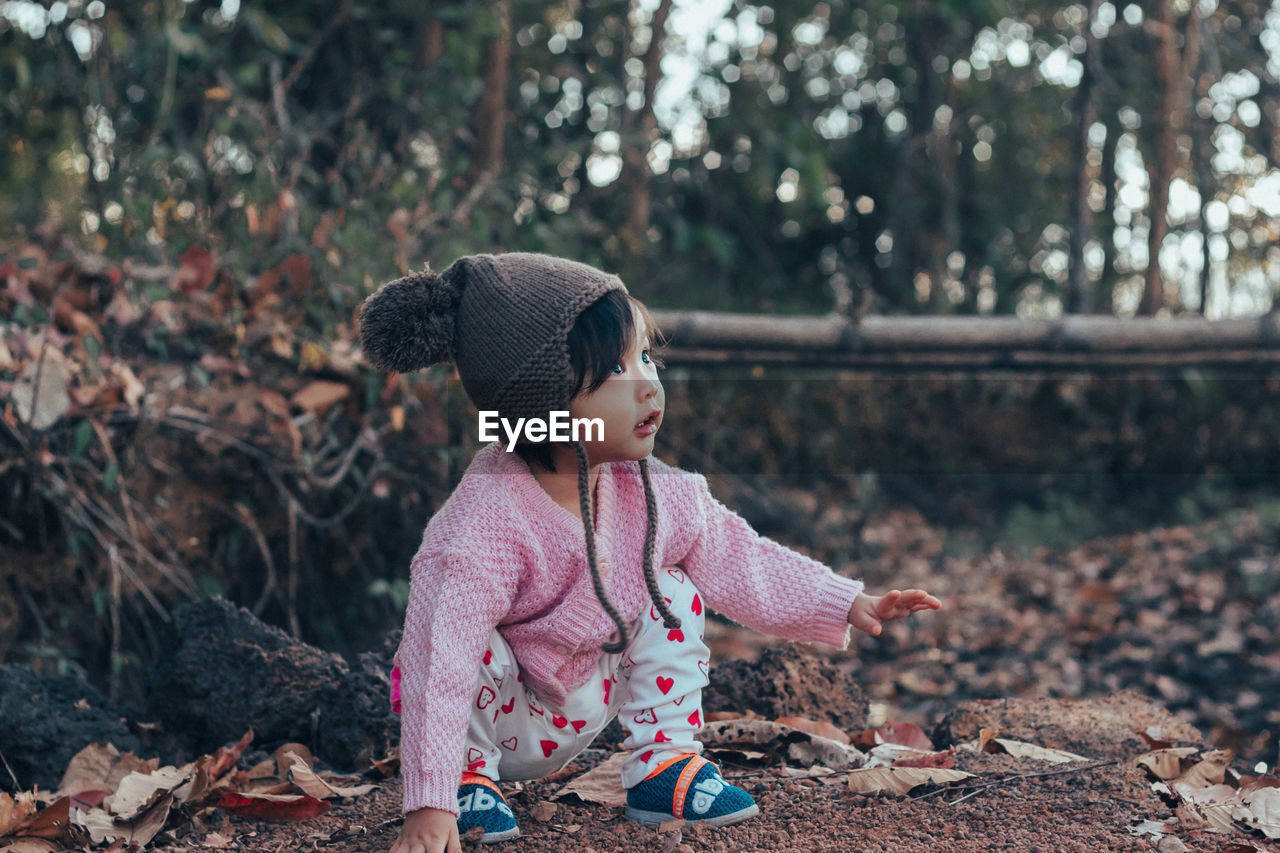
<point>916,152</point>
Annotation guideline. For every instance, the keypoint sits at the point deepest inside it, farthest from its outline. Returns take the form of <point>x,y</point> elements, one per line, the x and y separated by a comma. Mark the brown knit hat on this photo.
<point>504,321</point>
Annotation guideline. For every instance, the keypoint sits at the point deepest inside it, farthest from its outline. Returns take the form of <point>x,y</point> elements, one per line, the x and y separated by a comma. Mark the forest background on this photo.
<point>195,196</point>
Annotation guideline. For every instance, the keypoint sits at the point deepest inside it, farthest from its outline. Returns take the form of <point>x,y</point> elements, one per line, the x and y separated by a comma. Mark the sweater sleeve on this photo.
<point>762,584</point>
<point>455,603</point>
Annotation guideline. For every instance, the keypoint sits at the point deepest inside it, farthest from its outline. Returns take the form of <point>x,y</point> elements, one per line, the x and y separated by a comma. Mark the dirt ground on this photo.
<point>1173,632</point>
<point>1080,807</point>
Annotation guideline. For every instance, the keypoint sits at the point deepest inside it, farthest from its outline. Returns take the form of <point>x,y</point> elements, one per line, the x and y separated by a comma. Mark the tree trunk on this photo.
<point>638,128</point>
<point>1169,122</point>
<point>430,36</point>
<point>1079,294</point>
<point>1105,297</point>
<point>491,113</point>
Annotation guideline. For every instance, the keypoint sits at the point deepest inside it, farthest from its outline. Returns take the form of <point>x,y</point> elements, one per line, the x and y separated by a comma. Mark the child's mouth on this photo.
<point>649,425</point>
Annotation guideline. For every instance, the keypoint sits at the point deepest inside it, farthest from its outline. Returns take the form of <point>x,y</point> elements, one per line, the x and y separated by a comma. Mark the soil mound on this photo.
<point>787,681</point>
<point>44,720</point>
<point>1108,727</point>
<point>225,671</point>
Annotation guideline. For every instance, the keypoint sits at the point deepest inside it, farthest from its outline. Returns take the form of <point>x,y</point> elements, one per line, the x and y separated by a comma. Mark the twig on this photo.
<point>113,554</point>
<point>246,518</point>
<point>9,770</point>
<point>979,787</point>
<point>307,58</point>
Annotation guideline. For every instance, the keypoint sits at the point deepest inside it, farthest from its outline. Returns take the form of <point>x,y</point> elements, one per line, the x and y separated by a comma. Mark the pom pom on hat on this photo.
<point>409,323</point>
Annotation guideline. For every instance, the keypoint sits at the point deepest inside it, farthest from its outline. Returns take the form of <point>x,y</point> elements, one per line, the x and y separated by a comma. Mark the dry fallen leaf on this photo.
<point>1164,763</point>
<point>16,812</point>
<point>901,780</point>
<point>1020,749</point>
<point>312,785</point>
<point>821,728</point>
<point>100,768</point>
<point>907,734</point>
<point>601,784</point>
<point>798,746</point>
<point>543,811</point>
<point>1263,805</point>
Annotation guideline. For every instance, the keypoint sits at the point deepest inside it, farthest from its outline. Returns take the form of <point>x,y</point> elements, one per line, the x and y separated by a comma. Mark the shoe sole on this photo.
<point>647,818</point>
<point>495,837</point>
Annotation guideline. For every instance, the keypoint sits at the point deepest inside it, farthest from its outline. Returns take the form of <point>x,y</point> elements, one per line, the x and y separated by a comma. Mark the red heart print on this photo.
<point>547,747</point>
<point>475,759</point>
<point>486,696</point>
<point>497,680</point>
<point>697,605</point>
<point>702,665</point>
<point>645,756</point>
<point>677,574</point>
<point>534,706</point>
<point>511,743</point>
<point>665,684</point>
<point>647,717</point>
<point>488,657</point>
<point>510,706</point>
<point>695,720</point>
<point>676,634</point>
<point>559,722</point>
<point>607,685</point>
<point>578,725</point>
<point>679,701</point>
<point>660,737</point>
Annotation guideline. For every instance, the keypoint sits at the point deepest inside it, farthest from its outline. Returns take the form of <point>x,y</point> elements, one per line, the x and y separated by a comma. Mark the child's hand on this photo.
<point>428,831</point>
<point>870,611</point>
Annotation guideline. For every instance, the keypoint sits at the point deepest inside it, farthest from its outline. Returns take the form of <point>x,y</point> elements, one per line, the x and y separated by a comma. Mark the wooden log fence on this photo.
<point>1073,343</point>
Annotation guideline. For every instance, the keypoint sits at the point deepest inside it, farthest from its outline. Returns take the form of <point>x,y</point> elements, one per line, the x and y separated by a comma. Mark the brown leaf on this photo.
<point>16,812</point>
<point>321,395</point>
<point>985,736</point>
<point>1164,763</point>
<point>136,831</point>
<point>50,822</point>
<point>1019,749</point>
<point>98,768</point>
<point>195,270</point>
<point>601,784</point>
<point>944,760</point>
<point>821,728</point>
<point>907,734</point>
<point>543,811</point>
<point>901,780</point>
<point>227,756</point>
<point>312,785</point>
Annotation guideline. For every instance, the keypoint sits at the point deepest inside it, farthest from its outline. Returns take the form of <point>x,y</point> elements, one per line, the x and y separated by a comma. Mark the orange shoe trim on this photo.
<point>683,781</point>
<point>476,779</point>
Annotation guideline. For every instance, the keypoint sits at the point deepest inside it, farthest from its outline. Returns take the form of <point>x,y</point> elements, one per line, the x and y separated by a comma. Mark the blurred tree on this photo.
<point>889,155</point>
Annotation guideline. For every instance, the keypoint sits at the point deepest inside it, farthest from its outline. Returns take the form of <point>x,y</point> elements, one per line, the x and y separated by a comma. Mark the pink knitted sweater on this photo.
<point>502,554</point>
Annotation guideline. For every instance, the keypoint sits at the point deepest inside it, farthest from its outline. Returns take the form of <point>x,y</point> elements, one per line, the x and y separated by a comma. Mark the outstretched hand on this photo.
<point>870,612</point>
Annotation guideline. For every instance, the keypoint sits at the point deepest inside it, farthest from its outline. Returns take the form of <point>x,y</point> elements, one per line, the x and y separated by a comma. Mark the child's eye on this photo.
<point>644,356</point>
<point>617,369</point>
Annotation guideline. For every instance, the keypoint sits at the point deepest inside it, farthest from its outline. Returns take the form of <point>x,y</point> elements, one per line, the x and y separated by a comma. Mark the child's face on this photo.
<point>630,403</point>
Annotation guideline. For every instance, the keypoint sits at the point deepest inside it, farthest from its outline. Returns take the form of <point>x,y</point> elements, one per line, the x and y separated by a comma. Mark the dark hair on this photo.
<point>600,337</point>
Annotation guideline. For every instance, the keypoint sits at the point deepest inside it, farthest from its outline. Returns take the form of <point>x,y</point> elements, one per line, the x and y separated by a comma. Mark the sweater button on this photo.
<point>562,649</point>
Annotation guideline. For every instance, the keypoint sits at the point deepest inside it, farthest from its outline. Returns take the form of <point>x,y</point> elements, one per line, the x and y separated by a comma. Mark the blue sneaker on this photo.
<point>691,788</point>
<point>480,803</point>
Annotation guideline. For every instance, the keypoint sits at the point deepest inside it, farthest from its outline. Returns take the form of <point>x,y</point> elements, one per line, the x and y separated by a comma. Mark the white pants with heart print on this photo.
<point>654,687</point>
